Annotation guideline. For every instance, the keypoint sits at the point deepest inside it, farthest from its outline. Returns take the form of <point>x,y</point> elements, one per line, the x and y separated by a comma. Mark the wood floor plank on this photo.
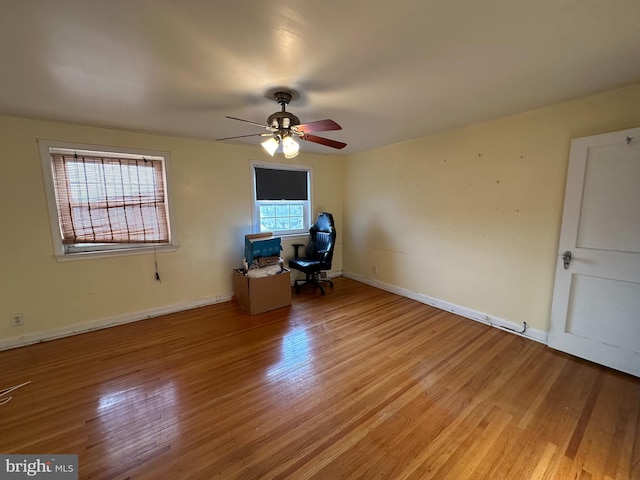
<point>359,383</point>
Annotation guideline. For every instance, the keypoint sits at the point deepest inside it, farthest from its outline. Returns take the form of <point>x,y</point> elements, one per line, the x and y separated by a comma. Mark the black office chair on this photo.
<point>318,255</point>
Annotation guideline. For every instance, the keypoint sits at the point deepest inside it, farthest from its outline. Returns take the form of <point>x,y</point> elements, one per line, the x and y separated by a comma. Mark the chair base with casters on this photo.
<point>319,253</point>
<point>313,278</point>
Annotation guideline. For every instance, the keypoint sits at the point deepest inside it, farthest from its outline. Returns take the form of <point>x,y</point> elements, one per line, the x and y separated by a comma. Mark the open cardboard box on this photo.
<point>257,295</point>
<point>261,245</point>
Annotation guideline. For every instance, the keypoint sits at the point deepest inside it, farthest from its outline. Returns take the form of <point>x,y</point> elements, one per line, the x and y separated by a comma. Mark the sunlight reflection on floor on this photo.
<point>143,415</point>
<point>296,362</point>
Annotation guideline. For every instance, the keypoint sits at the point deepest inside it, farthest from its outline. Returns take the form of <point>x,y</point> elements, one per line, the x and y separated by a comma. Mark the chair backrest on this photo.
<point>322,239</point>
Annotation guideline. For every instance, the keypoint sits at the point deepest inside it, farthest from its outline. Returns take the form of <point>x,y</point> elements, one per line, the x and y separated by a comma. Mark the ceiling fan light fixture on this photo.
<point>290,147</point>
<point>270,145</point>
<point>284,126</point>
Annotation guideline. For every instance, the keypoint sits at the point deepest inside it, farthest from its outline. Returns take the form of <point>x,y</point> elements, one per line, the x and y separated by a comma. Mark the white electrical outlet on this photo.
<point>17,319</point>
<point>374,269</point>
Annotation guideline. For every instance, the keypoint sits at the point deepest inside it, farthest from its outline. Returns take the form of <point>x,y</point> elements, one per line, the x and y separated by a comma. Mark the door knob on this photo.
<point>566,259</point>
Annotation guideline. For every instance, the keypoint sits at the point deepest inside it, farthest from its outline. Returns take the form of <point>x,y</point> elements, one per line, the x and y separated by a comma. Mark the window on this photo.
<point>106,200</point>
<point>281,196</point>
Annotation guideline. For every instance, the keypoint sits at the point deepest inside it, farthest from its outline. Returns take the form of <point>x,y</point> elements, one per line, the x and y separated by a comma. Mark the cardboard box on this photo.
<point>257,295</point>
<point>261,245</point>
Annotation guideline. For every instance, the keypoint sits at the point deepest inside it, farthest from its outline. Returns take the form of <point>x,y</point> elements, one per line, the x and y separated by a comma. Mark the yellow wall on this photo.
<point>472,216</point>
<point>211,199</point>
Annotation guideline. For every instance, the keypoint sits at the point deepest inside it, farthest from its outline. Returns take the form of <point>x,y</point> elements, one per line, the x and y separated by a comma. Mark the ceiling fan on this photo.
<point>284,127</point>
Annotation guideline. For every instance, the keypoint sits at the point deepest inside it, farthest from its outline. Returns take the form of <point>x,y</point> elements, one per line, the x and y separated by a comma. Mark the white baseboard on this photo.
<point>497,322</point>
<point>37,337</point>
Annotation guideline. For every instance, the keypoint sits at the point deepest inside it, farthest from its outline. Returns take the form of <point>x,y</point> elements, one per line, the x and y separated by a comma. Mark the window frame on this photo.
<point>72,252</point>
<point>255,203</point>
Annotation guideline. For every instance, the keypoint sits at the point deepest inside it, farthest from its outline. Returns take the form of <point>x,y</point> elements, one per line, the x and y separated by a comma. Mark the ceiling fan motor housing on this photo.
<point>284,120</point>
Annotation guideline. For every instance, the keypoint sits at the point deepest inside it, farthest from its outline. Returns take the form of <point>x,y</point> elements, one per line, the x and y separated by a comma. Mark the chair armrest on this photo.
<point>296,246</point>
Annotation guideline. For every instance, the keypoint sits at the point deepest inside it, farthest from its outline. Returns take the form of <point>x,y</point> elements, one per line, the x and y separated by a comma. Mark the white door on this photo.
<point>596,300</point>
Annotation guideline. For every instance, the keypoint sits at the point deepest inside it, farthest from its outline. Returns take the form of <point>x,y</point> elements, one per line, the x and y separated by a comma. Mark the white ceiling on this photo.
<point>385,71</point>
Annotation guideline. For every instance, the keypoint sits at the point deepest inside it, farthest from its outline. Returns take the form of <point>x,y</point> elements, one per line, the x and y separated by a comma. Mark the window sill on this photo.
<point>67,257</point>
<point>293,236</point>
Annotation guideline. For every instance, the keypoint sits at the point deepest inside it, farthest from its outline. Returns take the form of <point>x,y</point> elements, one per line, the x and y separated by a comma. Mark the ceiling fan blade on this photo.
<point>323,141</point>
<point>319,126</point>
<point>248,121</point>
<point>242,136</point>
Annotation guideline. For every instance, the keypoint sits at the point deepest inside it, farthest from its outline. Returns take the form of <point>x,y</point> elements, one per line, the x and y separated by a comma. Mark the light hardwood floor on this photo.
<point>359,383</point>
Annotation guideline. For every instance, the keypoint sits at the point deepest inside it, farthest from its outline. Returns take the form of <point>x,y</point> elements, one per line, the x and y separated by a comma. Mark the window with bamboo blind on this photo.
<point>106,200</point>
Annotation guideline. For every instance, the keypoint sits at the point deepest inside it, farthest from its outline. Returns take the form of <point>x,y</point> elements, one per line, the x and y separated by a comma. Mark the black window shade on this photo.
<point>272,184</point>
